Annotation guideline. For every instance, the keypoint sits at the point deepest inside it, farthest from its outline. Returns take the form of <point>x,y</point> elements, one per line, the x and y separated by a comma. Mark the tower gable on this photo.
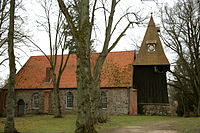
<point>151,51</point>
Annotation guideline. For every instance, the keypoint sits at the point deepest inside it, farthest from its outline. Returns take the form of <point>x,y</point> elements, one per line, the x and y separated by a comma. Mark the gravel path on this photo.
<point>157,127</point>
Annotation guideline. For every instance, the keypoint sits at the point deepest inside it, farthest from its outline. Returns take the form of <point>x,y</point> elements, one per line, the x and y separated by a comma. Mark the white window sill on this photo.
<point>69,108</point>
<point>36,108</point>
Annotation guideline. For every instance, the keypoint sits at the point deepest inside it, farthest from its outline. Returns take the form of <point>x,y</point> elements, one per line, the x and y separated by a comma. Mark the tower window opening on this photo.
<point>151,46</point>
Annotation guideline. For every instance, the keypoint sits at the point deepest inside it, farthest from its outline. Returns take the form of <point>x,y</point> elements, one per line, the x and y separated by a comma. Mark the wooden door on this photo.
<point>21,107</point>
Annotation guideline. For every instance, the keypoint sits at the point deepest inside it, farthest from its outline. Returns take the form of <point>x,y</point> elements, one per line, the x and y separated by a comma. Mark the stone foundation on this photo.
<point>117,101</point>
<point>155,109</point>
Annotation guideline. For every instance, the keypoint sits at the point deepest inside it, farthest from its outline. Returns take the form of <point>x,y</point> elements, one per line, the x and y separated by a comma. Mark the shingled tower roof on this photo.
<point>157,55</point>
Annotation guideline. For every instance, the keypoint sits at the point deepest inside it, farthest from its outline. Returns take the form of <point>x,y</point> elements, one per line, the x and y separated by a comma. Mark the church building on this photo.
<point>130,83</point>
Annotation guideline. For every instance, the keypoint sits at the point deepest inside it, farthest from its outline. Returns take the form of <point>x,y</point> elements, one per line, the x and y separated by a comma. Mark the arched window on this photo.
<point>35,101</point>
<point>69,99</point>
<point>103,100</point>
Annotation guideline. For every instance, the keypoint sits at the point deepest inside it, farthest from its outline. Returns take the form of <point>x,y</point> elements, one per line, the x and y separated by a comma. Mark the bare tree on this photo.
<point>19,32</point>
<point>88,79</point>
<point>182,35</point>
<point>10,105</point>
<point>4,15</point>
<point>59,43</point>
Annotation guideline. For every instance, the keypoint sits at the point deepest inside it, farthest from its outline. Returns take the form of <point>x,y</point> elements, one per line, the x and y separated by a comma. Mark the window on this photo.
<point>151,46</point>
<point>35,101</point>
<point>70,99</point>
<point>103,100</point>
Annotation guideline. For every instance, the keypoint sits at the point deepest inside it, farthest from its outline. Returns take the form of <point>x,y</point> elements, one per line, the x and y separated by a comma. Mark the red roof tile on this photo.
<point>116,72</point>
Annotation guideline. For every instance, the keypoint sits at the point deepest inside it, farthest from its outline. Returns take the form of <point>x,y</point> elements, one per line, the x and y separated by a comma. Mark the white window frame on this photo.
<point>35,101</point>
<point>104,100</point>
<point>69,98</point>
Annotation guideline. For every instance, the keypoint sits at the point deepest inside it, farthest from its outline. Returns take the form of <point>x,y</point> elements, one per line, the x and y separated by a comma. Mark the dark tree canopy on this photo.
<point>182,36</point>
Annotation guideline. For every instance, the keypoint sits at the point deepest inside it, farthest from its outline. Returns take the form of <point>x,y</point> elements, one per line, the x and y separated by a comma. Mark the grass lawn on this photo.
<point>48,124</point>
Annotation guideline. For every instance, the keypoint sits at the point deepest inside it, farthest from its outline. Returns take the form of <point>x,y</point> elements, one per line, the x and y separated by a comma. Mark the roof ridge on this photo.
<point>91,53</point>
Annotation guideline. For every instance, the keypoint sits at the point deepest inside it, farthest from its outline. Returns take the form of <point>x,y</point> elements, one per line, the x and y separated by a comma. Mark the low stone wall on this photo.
<point>155,109</point>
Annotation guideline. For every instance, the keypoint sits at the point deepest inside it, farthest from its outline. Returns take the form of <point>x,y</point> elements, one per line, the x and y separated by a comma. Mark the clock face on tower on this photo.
<point>151,47</point>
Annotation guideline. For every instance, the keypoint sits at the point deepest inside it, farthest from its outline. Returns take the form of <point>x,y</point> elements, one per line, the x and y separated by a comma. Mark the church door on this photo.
<point>21,107</point>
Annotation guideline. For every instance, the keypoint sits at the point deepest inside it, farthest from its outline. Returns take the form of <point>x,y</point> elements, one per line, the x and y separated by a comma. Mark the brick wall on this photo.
<point>133,102</point>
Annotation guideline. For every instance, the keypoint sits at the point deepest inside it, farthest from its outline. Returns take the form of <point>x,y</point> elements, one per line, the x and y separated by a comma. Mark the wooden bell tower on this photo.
<point>150,66</point>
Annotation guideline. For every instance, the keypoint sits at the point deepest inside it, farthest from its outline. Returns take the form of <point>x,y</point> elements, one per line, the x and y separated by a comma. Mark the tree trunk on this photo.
<point>198,107</point>
<point>96,100</point>
<point>10,105</point>
<point>89,105</point>
<point>57,113</point>
<point>56,95</point>
<point>198,94</point>
<point>85,120</point>
<point>89,109</point>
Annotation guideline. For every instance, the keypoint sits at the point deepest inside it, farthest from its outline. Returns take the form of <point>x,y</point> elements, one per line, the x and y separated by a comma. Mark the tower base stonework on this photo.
<point>155,109</point>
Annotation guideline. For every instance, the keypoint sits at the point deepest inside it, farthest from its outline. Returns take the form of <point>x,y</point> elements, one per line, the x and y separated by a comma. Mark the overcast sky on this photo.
<point>133,35</point>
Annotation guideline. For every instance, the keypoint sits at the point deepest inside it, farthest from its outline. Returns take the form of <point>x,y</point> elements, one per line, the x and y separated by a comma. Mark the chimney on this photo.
<point>48,77</point>
<point>135,53</point>
<point>158,29</point>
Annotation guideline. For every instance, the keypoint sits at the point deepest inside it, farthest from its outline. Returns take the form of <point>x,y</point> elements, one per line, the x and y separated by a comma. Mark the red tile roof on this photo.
<point>116,72</point>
